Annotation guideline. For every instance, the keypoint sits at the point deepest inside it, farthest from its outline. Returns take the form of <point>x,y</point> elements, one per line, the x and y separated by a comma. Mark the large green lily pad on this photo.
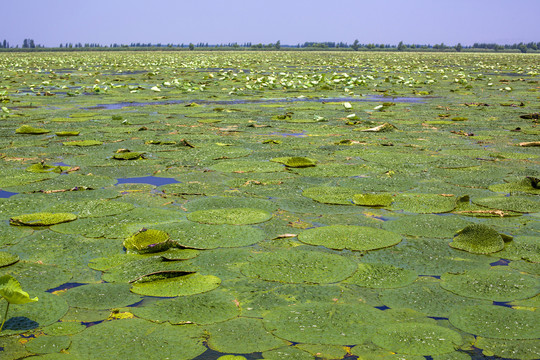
<point>478,239</point>
<point>424,203</point>
<point>349,237</point>
<point>244,166</point>
<point>100,296</point>
<point>148,241</point>
<point>373,200</point>
<point>138,339</point>
<point>325,323</point>
<point>35,277</point>
<point>7,258</point>
<point>48,344</point>
<point>42,219</point>
<point>168,284</point>
<point>27,129</point>
<point>512,349</point>
<point>231,216</point>
<point>242,335</point>
<point>204,236</point>
<point>417,339</point>
<point>299,266</point>
<point>522,204</point>
<point>208,308</point>
<point>526,185</point>
<point>288,352</point>
<point>331,195</point>
<point>381,276</point>
<point>496,285</point>
<point>296,161</point>
<point>426,225</point>
<point>426,296</point>
<point>21,318</point>
<point>92,208</point>
<point>497,322</point>
<point>522,247</point>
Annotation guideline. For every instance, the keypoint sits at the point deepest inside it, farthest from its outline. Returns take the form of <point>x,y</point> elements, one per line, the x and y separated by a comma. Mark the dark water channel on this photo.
<point>370,98</point>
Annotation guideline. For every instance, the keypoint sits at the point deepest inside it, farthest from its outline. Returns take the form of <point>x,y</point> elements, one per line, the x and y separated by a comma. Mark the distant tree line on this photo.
<point>308,45</point>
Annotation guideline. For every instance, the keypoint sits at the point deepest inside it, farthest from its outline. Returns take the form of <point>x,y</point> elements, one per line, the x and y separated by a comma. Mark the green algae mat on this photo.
<point>285,205</point>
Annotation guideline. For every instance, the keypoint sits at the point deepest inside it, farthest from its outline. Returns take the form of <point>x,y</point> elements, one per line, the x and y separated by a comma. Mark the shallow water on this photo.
<point>152,180</point>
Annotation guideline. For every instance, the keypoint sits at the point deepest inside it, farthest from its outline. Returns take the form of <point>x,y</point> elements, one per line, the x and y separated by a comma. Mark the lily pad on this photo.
<point>231,336</point>
<point>325,323</point>
<point>497,322</point>
<point>245,166</point>
<point>296,161</point>
<point>67,133</point>
<point>288,352</point>
<point>148,241</point>
<point>48,344</point>
<point>42,219</point>
<point>299,266</point>
<point>203,309</point>
<point>478,239</point>
<point>426,225</point>
<point>331,195</point>
<point>426,296</point>
<point>100,296</point>
<point>35,277</point>
<point>7,258</point>
<point>27,129</point>
<point>373,200</point>
<point>138,339</point>
<point>168,284</point>
<point>526,185</point>
<point>204,236</point>
<point>231,216</point>
<point>351,237</point>
<point>130,155</point>
<point>82,143</point>
<point>496,285</point>
<point>92,208</point>
<point>522,248</point>
<point>424,203</point>
<point>21,318</point>
<point>417,339</point>
<point>381,276</point>
<point>521,204</point>
<point>512,349</point>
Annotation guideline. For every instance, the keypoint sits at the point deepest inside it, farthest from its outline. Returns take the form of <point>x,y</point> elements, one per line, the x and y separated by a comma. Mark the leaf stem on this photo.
<point>5,317</point>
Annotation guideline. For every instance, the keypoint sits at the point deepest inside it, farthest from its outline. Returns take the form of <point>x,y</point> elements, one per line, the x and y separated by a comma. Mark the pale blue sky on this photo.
<point>51,22</point>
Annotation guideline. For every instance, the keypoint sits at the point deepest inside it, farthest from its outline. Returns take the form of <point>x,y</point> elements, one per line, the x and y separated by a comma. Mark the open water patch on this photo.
<point>152,180</point>
<point>6,194</point>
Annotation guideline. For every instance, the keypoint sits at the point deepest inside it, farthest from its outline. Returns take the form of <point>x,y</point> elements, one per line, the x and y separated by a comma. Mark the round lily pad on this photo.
<point>349,237</point>
<point>424,203</point>
<point>288,352</point>
<point>27,129</point>
<point>35,277</point>
<point>325,323</point>
<point>244,166</point>
<point>21,318</point>
<point>511,349</point>
<point>522,247</point>
<point>92,208</point>
<point>296,161</point>
<point>497,322</point>
<point>299,266</point>
<point>48,344</point>
<point>170,284</point>
<point>373,200</point>
<point>42,219</point>
<point>478,239</point>
<point>7,258</point>
<point>526,185</point>
<point>522,204</point>
<point>148,241</point>
<point>426,225</point>
<point>417,339</point>
<point>204,236</point>
<point>496,285</point>
<point>82,143</point>
<point>381,276</point>
<point>130,155</point>
<point>100,296</point>
<point>138,339</point>
<point>426,295</point>
<point>232,337</point>
<point>208,308</point>
<point>231,216</point>
<point>331,195</point>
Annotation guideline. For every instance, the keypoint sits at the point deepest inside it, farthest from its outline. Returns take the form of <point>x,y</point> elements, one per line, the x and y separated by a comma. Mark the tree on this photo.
<point>400,46</point>
<point>191,46</point>
<point>278,45</point>
<point>522,47</point>
<point>356,45</point>
<point>25,43</point>
<point>459,47</point>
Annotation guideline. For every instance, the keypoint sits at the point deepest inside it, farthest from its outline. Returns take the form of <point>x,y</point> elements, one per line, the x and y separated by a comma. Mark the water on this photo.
<point>152,180</point>
<point>6,194</point>
<point>371,98</point>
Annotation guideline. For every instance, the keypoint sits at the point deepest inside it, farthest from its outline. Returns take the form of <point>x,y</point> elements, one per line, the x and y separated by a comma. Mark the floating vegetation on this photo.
<point>270,204</point>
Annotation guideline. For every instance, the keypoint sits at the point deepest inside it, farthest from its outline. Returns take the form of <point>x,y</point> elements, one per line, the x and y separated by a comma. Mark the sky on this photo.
<point>51,22</point>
